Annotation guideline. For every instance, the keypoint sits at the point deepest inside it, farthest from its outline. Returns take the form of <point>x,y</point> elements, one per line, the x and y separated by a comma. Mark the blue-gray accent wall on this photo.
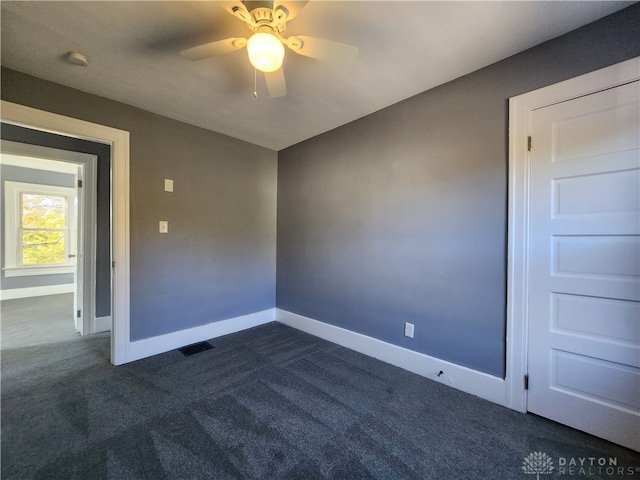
<point>401,216</point>
<point>218,259</point>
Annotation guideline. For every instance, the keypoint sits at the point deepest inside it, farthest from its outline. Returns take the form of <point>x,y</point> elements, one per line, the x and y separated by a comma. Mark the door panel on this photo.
<point>596,318</point>
<point>615,384</point>
<point>608,130</point>
<point>584,254</point>
<point>78,209</point>
<point>616,193</point>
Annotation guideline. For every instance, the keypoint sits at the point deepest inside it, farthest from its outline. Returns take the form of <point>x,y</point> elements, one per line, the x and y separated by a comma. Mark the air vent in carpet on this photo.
<point>195,348</point>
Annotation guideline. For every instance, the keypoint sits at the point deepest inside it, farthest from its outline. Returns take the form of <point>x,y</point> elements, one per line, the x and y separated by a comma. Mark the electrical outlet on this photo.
<point>408,329</point>
<point>163,226</point>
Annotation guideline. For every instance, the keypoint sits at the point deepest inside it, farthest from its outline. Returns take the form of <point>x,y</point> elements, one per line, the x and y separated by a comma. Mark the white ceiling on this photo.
<point>405,48</point>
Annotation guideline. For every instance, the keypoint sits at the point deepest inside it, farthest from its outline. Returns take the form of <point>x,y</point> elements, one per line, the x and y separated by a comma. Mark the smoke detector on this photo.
<point>78,59</point>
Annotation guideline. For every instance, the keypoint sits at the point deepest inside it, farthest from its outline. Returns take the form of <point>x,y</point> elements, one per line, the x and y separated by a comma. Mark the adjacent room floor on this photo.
<point>30,322</point>
<point>266,403</point>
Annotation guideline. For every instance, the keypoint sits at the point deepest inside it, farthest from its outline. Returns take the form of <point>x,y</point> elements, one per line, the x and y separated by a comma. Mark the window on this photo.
<point>44,237</point>
<point>39,229</point>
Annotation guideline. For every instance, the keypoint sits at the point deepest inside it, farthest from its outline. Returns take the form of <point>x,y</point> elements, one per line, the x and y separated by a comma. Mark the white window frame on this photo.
<point>12,192</point>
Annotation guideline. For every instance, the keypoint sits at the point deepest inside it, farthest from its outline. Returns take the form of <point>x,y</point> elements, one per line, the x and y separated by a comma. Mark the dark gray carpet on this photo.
<point>266,403</point>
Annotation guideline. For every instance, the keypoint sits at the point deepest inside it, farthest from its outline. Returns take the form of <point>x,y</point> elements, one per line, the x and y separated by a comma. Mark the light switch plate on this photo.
<point>168,185</point>
<point>408,329</point>
<point>164,226</point>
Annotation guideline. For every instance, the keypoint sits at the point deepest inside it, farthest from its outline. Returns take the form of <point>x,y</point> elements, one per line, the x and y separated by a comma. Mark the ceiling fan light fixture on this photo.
<point>265,51</point>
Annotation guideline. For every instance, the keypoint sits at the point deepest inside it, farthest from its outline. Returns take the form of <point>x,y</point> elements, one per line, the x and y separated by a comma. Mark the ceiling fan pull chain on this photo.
<point>255,82</point>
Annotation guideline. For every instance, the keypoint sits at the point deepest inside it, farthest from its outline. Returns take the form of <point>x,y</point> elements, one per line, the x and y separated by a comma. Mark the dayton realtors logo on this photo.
<point>539,463</point>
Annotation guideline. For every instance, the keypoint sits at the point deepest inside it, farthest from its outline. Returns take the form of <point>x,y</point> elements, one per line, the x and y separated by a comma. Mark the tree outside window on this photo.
<point>43,229</point>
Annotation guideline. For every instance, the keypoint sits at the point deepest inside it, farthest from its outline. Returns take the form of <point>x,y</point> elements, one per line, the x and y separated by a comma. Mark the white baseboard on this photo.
<point>13,293</point>
<point>170,341</point>
<point>101,324</point>
<point>470,381</point>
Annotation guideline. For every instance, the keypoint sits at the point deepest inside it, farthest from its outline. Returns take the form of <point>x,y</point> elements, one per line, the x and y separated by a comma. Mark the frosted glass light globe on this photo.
<point>265,51</point>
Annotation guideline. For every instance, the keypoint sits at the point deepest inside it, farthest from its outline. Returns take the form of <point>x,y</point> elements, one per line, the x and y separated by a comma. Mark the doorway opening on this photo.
<point>117,193</point>
<point>49,220</point>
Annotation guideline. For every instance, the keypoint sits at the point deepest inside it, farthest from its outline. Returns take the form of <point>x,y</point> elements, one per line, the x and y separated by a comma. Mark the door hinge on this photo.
<point>113,264</point>
<point>526,382</point>
<point>79,183</point>
<point>79,313</point>
<point>529,144</point>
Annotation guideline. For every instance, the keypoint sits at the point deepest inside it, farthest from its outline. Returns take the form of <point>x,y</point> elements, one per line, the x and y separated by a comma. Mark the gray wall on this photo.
<point>218,259</point>
<point>27,175</point>
<point>402,215</point>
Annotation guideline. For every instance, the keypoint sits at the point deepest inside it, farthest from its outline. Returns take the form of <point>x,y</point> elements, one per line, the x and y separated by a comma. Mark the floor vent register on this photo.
<point>195,348</point>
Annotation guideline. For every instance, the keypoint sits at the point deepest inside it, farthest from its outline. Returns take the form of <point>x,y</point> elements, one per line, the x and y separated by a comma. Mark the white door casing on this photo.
<point>119,141</point>
<point>520,108</point>
<point>584,264</point>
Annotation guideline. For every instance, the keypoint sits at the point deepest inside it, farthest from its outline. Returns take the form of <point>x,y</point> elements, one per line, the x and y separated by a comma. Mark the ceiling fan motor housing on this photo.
<point>264,19</point>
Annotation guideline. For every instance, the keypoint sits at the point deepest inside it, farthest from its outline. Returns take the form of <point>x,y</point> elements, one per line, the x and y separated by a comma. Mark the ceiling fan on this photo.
<point>266,46</point>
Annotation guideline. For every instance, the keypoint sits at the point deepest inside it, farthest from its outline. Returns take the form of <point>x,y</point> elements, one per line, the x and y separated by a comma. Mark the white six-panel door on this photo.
<point>584,264</point>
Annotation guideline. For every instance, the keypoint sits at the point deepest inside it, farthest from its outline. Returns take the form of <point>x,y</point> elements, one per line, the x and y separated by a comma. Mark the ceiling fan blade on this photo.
<point>322,49</point>
<point>276,84</point>
<point>292,7</point>
<point>238,9</point>
<point>214,48</point>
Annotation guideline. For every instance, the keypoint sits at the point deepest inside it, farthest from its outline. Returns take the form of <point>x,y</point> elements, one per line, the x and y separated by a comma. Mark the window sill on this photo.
<point>38,270</point>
